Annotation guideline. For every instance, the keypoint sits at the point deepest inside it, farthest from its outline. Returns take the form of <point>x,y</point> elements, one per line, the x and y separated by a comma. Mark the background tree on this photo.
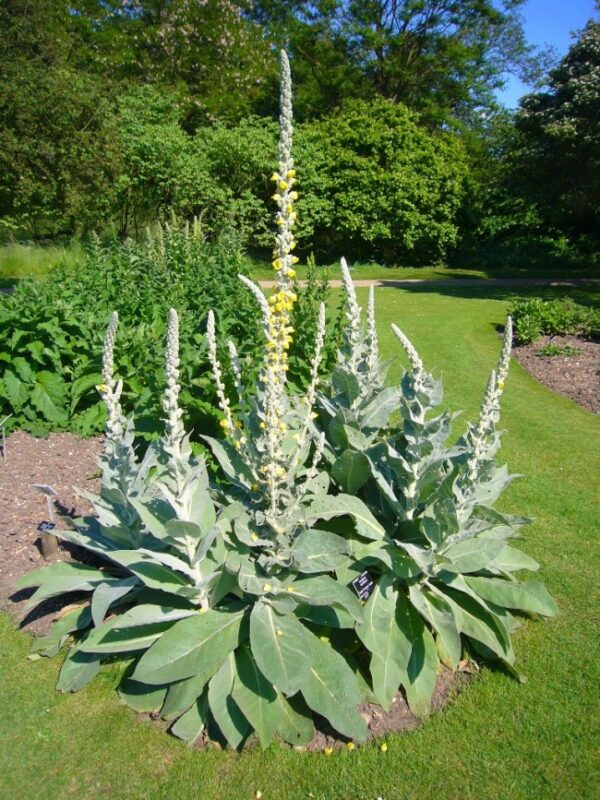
<point>558,148</point>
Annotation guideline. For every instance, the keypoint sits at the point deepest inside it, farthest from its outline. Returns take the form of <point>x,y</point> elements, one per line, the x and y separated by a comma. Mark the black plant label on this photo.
<point>363,585</point>
<point>46,526</point>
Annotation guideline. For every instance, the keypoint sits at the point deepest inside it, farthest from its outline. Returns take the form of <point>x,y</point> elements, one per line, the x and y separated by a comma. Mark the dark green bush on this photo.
<point>534,317</point>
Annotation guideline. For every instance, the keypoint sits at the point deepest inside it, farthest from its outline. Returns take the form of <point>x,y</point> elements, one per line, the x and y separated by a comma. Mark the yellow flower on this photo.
<point>295,259</point>
<point>255,487</point>
<point>275,177</point>
<point>277,263</point>
<point>282,185</point>
<point>262,425</point>
<point>102,387</point>
<point>203,610</point>
<point>328,751</point>
<point>313,415</point>
<point>276,197</point>
<point>290,589</point>
<point>294,195</point>
<point>267,587</point>
<point>224,424</point>
<point>501,384</point>
<point>279,632</point>
<point>291,273</point>
<point>293,245</point>
<point>291,173</point>
<point>384,748</point>
<point>237,445</point>
<point>350,745</point>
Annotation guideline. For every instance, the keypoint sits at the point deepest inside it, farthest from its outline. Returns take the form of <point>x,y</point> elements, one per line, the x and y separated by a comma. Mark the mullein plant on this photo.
<point>444,572</point>
<point>230,600</point>
<point>225,597</point>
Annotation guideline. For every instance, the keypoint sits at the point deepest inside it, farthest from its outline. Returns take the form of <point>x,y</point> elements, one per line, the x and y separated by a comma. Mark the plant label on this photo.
<point>46,526</point>
<point>363,585</point>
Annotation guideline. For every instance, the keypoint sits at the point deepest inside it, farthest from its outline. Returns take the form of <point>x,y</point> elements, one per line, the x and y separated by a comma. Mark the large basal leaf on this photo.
<point>227,714</point>
<point>256,696</point>
<point>421,669</point>
<point>341,505</point>
<point>510,560</point>
<point>57,579</point>
<point>319,551</point>
<point>472,555</point>
<point>77,619</point>
<point>181,695</point>
<point>108,593</point>
<point>136,629</point>
<point>77,670</point>
<point>529,596</point>
<point>441,616</point>
<point>331,689</point>
<point>296,726</point>
<point>49,396</point>
<point>321,590</point>
<point>191,724</point>
<point>351,471</point>
<point>191,646</point>
<point>387,642</point>
<point>279,646</point>
<point>477,622</point>
<point>142,698</point>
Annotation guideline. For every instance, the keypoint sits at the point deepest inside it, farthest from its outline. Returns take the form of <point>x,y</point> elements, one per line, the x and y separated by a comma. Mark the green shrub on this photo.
<point>374,180</point>
<point>535,317</point>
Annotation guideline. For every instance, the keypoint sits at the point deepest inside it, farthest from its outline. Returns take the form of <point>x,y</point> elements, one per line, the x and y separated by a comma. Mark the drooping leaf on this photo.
<point>529,596</point>
<point>321,590</point>
<point>387,642</point>
<point>108,593</point>
<point>142,698</point>
<point>296,726</point>
<point>279,646</point>
<point>256,696</point>
<point>78,670</point>
<point>473,555</point>
<point>227,714</point>
<point>441,616</point>
<point>191,724</point>
<point>421,669</point>
<point>191,645</point>
<point>330,688</point>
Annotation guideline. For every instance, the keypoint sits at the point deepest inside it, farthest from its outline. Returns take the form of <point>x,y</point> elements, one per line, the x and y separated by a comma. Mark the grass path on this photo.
<point>500,739</point>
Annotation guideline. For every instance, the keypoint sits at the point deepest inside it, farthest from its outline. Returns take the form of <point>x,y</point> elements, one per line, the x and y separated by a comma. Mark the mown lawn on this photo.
<point>499,739</point>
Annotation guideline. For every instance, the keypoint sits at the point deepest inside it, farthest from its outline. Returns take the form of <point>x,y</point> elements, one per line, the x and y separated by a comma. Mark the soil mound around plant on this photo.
<point>575,376</point>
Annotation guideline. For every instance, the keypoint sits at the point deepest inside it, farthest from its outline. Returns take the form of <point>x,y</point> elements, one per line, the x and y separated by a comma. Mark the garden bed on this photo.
<point>576,376</point>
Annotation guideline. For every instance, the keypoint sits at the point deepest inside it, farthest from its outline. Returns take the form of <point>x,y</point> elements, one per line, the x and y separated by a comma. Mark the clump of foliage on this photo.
<point>552,349</point>
<point>230,599</point>
<point>51,332</point>
<point>535,317</point>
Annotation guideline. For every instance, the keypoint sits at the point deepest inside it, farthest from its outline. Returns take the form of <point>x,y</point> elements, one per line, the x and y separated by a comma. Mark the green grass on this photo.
<point>499,739</point>
<point>19,261</point>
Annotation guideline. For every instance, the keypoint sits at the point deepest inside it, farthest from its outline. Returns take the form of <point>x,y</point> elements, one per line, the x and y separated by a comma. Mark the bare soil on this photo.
<point>61,461</point>
<point>574,376</point>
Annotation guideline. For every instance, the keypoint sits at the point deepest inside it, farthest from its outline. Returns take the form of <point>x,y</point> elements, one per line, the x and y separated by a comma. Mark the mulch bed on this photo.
<point>575,376</point>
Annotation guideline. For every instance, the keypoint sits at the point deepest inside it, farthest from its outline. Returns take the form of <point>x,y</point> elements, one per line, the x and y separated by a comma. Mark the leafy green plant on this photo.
<point>551,349</point>
<point>535,317</point>
<point>50,333</point>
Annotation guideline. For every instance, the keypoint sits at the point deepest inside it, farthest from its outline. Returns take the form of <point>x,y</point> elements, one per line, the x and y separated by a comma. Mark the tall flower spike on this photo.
<point>504,360</point>
<point>224,404</point>
<point>174,429</point>
<point>410,350</point>
<point>109,391</point>
<point>373,353</point>
<point>353,332</point>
